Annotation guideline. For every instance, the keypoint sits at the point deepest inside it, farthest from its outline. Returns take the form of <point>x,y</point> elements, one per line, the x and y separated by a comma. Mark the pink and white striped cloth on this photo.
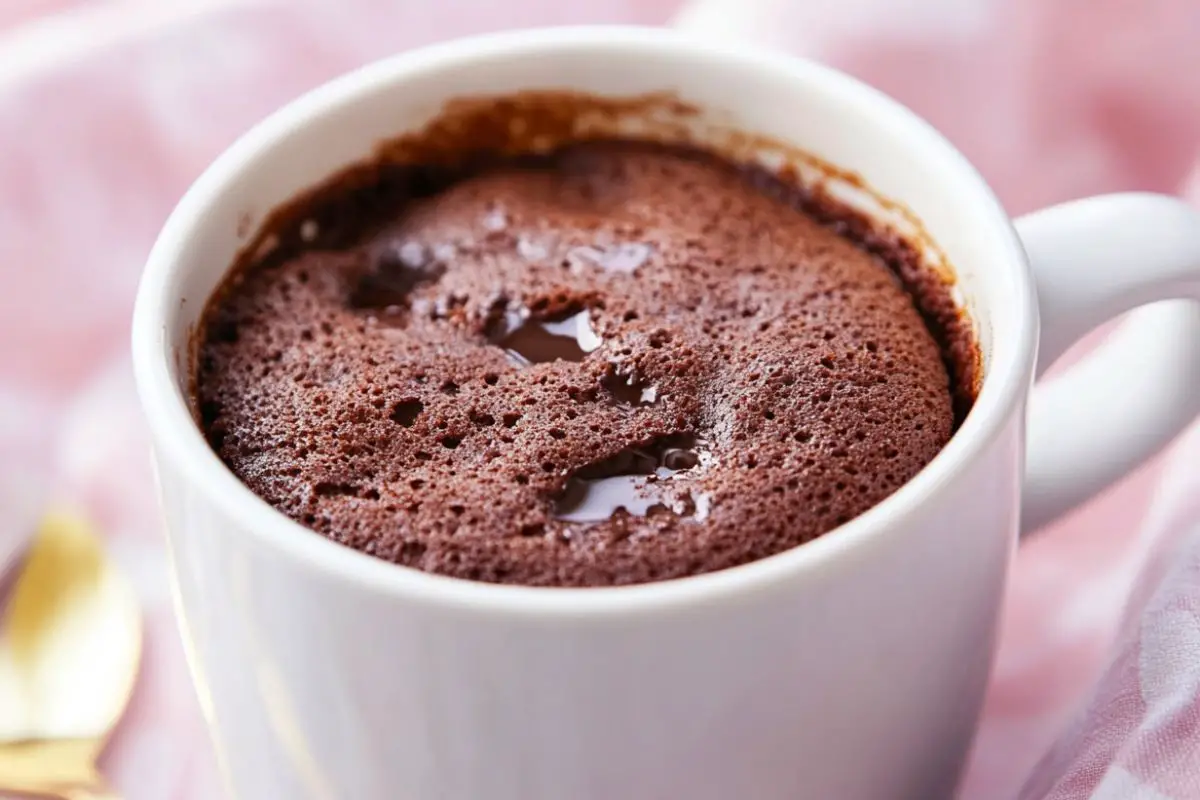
<point>109,108</point>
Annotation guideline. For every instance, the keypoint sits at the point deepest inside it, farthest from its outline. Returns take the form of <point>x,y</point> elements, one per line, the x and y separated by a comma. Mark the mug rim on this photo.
<point>176,436</point>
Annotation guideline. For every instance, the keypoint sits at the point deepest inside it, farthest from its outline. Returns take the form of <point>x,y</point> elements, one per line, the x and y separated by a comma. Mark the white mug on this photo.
<point>850,667</point>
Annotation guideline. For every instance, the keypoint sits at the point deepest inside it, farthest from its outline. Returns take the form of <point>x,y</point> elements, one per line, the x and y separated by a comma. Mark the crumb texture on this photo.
<point>617,364</point>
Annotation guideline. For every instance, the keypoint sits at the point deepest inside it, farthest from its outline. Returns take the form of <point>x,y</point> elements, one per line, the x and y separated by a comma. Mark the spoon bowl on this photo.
<point>70,647</point>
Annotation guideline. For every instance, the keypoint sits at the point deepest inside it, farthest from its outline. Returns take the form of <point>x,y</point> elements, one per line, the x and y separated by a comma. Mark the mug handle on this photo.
<point>1092,260</point>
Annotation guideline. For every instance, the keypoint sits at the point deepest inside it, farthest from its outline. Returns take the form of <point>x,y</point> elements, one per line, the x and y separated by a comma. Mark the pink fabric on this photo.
<point>109,108</point>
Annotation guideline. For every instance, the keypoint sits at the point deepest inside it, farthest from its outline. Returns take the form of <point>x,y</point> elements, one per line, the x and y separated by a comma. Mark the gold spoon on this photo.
<point>70,646</point>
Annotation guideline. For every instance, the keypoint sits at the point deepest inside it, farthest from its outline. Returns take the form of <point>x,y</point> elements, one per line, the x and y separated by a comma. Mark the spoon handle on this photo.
<point>63,769</point>
<point>60,792</point>
<point>89,793</point>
